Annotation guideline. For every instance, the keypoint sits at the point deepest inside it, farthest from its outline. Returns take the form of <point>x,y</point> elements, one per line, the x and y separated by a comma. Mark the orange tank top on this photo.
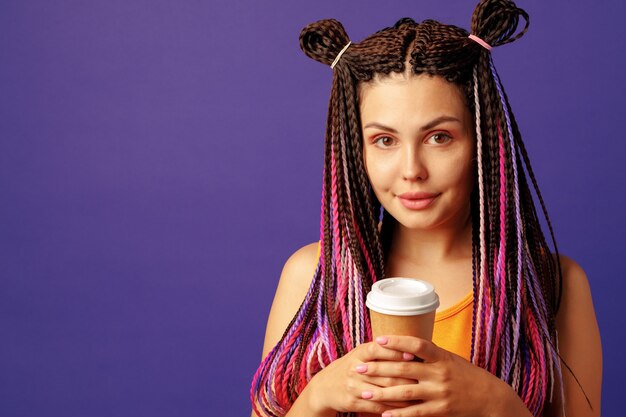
<point>453,327</point>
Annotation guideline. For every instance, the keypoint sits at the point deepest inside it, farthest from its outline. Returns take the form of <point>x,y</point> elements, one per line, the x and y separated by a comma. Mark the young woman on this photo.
<point>427,176</point>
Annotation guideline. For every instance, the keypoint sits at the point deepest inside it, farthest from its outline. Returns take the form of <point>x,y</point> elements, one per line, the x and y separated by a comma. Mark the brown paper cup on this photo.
<point>402,306</point>
<point>419,326</point>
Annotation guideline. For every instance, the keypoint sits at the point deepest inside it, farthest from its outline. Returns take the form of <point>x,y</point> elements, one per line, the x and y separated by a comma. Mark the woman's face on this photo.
<point>418,149</point>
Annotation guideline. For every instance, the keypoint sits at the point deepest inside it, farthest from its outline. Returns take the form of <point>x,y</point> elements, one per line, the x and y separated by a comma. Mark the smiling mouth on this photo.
<point>417,201</point>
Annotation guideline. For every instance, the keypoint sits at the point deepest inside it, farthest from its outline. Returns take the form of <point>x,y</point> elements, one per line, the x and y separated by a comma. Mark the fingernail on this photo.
<point>361,368</point>
<point>382,340</point>
<point>386,414</point>
<point>408,356</point>
<point>366,395</point>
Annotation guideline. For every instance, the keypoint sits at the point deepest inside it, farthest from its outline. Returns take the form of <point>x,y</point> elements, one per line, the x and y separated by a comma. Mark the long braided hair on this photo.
<point>517,283</point>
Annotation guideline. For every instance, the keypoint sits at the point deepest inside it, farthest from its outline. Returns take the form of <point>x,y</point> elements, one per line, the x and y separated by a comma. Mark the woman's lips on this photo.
<point>417,200</point>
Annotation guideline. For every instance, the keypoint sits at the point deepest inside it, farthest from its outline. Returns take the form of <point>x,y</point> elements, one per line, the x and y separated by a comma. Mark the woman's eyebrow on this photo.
<point>439,120</point>
<point>435,122</point>
<point>380,126</point>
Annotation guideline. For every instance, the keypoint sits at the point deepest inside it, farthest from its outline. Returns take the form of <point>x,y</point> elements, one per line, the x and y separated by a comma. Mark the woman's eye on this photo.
<point>439,138</point>
<point>383,141</point>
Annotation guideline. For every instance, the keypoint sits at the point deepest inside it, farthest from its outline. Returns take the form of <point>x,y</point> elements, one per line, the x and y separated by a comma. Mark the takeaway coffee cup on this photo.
<point>402,306</point>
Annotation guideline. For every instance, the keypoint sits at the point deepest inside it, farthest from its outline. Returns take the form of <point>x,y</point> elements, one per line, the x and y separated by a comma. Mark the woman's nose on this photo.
<point>414,166</point>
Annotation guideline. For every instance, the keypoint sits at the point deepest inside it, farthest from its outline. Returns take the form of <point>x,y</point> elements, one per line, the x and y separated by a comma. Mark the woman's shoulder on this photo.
<point>576,311</point>
<point>570,266</point>
<point>298,272</point>
<point>302,263</point>
<point>579,344</point>
<point>293,286</point>
<point>575,281</point>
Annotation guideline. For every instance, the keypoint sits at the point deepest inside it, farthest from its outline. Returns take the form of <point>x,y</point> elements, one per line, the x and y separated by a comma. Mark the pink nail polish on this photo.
<point>382,340</point>
<point>387,414</point>
<point>366,395</point>
<point>361,368</point>
<point>408,356</point>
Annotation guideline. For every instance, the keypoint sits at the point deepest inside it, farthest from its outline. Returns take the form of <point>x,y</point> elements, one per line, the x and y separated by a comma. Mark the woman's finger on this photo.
<point>360,399</point>
<point>411,392</point>
<point>368,352</point>
<point>421,348</point>
<point>427,408</point>
<point>383,382</point>
<point>398,404</point>
<point>406,370</point>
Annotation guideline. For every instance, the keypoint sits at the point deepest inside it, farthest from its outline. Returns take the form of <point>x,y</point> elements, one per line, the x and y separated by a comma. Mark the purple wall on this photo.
<point>159,161</point>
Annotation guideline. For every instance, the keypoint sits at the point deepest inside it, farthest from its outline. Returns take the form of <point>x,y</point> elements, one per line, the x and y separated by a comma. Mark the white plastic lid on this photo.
<point>402,297</point>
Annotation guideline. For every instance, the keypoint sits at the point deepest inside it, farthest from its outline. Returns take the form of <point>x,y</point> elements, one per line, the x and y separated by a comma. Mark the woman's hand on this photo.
<point>447,385</point>
<point>345,385</point>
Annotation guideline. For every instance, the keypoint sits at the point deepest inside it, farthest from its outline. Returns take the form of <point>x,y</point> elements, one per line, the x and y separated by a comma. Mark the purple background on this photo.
<point>160,160</point>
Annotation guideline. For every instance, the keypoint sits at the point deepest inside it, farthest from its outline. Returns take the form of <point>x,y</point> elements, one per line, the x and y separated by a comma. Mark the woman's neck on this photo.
<point>448,243</point>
